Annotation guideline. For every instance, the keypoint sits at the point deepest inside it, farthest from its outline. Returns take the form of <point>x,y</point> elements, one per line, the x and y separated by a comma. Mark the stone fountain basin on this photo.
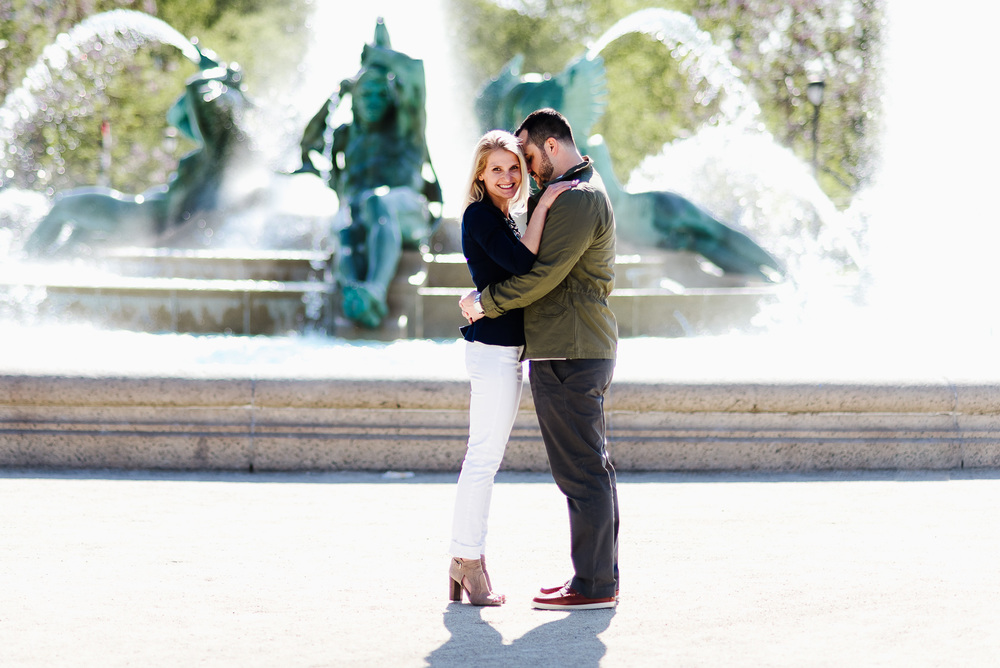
<point>275,292</point>
<point>179,290</point>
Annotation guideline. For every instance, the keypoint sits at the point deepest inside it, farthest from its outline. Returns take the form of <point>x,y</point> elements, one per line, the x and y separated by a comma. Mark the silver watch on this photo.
<point>478,306</point>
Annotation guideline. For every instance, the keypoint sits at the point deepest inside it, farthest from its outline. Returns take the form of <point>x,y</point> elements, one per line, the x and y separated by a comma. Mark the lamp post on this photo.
<point>104,176</point>
<point>814,91</point>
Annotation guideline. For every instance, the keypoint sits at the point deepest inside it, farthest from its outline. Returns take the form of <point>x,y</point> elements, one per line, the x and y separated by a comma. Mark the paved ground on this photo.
<point>161,569</point>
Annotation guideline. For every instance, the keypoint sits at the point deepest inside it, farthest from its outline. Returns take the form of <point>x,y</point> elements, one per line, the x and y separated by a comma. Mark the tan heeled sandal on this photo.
<point>468,574</point>
<point>486,573</point>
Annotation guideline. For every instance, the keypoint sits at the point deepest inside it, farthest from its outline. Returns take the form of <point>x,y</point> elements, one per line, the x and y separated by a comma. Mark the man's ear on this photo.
<point>551,146</point>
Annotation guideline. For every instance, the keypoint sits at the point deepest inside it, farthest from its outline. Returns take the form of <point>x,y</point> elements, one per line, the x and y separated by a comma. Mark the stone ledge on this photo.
<point>337,424</point>
<point>737,397</point>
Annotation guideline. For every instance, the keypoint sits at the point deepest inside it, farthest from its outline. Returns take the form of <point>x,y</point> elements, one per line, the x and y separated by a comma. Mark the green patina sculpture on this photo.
<point>85,218</point>
<point>381,171</point>
<point>660,218</point>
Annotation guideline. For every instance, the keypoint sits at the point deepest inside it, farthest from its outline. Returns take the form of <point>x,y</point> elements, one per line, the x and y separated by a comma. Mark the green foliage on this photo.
<point>66,144</point>
<point>265,38</point>
<point>635,126</point>
<point>777,45</point>
<point>781,46</point>
<point>549,32</point>
<point>144,149</point>
<point>134,94</point>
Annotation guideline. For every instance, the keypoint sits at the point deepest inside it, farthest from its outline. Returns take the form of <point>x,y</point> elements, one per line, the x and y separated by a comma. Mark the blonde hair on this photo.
<point>489,142</point>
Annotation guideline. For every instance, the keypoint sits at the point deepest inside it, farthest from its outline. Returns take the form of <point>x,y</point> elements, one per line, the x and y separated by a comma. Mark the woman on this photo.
<point>495,251</point>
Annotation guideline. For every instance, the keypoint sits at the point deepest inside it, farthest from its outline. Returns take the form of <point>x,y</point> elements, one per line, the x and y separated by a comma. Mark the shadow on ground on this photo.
<point>472,636</point>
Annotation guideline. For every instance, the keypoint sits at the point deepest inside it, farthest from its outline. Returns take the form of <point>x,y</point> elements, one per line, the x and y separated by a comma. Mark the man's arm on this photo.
<point>568,233</point>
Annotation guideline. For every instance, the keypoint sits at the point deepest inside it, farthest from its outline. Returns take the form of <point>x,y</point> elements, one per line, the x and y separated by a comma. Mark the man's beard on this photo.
<point>544,171</point>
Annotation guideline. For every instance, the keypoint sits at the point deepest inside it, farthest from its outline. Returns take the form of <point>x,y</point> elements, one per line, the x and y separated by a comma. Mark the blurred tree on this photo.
<point>778,46</point>
<point>130,96</point>
<point>782,45</point>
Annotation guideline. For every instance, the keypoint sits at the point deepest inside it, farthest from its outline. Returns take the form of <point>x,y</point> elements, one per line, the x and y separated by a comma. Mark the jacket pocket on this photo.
<point>549,307</point>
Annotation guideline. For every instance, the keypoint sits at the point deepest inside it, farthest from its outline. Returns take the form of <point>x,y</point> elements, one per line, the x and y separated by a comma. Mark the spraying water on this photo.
<point>699,57</point>
<point>50,81</point>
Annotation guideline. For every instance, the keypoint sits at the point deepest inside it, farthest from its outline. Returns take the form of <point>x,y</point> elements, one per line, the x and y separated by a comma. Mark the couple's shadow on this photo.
<point>569,640</point>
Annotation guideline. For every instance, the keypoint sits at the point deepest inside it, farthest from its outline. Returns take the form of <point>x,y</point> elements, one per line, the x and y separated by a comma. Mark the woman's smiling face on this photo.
<point>502,177</point>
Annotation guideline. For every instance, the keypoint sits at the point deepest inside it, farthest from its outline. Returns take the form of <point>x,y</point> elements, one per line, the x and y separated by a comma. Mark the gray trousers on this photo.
<point>569,403</point>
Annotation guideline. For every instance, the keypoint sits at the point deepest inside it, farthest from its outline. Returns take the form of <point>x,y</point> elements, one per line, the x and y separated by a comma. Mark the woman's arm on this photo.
<point>532,236</point>
<point>488,237</point>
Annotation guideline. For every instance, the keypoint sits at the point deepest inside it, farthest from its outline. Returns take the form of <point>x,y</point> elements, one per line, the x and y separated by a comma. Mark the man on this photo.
<point>571,338</point>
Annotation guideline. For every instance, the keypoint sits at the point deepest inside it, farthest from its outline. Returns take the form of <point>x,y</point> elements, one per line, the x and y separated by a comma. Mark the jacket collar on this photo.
<point>582,171</point>
<point>575,171</point>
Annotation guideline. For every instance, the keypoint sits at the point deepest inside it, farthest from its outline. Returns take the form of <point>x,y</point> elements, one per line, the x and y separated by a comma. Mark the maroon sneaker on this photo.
<point>552,590</point>
<point>567,598</point>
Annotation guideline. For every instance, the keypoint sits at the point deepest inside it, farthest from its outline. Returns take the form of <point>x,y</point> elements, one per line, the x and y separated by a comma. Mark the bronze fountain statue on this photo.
<point>381,171</point>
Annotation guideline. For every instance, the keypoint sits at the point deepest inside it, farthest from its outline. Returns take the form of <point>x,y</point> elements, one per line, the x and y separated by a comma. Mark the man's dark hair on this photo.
<point>544,123</point>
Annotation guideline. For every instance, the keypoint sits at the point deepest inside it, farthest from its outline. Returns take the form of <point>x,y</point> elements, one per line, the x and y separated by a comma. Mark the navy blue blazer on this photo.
<point>494,254</point>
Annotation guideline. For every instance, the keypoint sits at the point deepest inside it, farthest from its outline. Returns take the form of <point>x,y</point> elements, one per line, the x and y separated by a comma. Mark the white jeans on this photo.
<point>495,372</point>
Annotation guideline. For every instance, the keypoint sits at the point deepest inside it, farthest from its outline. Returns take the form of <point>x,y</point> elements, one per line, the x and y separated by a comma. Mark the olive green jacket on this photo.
<point>565,295</point>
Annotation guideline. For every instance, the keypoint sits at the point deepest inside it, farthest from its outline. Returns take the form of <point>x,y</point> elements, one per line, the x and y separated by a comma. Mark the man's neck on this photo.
<point>566,166</point>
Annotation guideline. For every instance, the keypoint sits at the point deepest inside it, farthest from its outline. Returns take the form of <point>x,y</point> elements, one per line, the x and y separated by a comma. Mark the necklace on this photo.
<point>513,227</point>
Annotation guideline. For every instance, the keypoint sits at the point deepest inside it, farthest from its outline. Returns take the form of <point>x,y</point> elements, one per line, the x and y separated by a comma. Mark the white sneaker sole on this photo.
<point>579,606</point>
